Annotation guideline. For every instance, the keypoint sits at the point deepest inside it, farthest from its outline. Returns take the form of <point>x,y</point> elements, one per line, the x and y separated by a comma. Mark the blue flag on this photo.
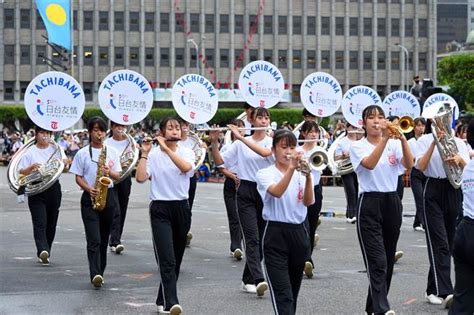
<point>56,15</point>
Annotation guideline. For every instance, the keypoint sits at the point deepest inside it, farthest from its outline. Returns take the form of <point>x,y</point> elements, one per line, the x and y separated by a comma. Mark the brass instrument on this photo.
<point>322,133</point>
<point>102,182</point>
<point>317,161</point>
<point>405,125</point>
<point>128,158</point>
<point>199,148</point>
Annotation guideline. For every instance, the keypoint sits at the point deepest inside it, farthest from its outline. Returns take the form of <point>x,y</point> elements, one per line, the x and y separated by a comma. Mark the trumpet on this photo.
<point>227,128</point>
<point>405,125</point>
<point>317,161</point>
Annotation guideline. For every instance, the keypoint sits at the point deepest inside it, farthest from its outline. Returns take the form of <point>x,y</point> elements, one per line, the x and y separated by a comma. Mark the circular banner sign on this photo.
<point>401,103</point>
<point>321,94</point>
<point>442,97</point>
<point>195,99</point>
<point>125,97</point>
<point>54,101</point>
<point>261,84</point>
<point>355,100</point>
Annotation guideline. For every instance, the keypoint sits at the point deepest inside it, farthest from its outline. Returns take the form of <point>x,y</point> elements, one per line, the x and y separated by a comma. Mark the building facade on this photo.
<point>357,41</point>
<point>453,24</point>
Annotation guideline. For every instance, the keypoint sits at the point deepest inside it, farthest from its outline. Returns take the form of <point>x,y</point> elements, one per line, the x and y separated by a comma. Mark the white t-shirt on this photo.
<point>316,174</point>
<point>119,146</point>
<point>344,146</point>
<point>86,167</point>
<point>289,208</point>
<point>435,167</point>
<point>468,189</point>
<point>36,155</point>
<point>167,181</point>
<point>247,125</point>
<point>413,144</point>
<point>188,143</point>
<point>384,177</point>
<point>246,161</point>
<point>231,165</point>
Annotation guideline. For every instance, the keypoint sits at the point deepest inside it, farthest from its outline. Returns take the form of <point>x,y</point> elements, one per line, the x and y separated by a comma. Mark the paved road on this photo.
<point>210,280</point>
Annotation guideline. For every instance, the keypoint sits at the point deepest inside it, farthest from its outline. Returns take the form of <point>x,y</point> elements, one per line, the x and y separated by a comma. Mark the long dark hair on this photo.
<point>284,135</point>
<point>237,122</point>
<point>307,127</point>
<point>97,120</point>
<point>370,110</point>
<point>165,122</point>
<point>260,111</point>
<point>470,133</point>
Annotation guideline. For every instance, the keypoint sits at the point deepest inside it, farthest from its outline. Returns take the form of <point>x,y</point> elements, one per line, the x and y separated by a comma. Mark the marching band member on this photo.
<point>349,180</point>
<point>119,142</point>
<point>377,160</point>
<point>441,205</point>
<point>231,185</point>
<point>44,207</point>
<point>310,131</point>
<point>97,224</point>
<point>252,153</point>
<point>248,119</point>
<point>417,179</point>
<point>285,194</point>
<point>463,249</point>
<point>169,208</point>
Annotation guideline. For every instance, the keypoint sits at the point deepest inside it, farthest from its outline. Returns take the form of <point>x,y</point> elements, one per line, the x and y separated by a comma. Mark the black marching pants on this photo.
<point>417,182</point>
<point>378,226</point>
<point>44,209</point>
<point>312,217</point>
<point>441,204</point>
<point>192,191</point>
<point>170,223</point>
<point>285,248</point>
<point>249,210</point>
<point>230,200</point>
<point>97,225</point>
<point>122,191</point>
<point>463,254</point>
<point>351,189</point>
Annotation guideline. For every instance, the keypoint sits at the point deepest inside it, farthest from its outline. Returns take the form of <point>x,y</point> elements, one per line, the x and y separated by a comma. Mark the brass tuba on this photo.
<point>40,180</point>
<point>102,182</point>
<point>128,158</point>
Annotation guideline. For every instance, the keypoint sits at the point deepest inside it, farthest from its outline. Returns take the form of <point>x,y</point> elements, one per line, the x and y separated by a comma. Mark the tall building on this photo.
<point>453,24</point>
<point>357,41</point>
<point>471,15</point>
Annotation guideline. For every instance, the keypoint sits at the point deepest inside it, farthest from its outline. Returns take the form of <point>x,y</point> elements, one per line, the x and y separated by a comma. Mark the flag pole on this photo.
<point>72,36</point>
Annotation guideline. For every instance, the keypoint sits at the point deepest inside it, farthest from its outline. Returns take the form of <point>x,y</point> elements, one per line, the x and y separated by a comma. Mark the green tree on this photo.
<point>458,73</point>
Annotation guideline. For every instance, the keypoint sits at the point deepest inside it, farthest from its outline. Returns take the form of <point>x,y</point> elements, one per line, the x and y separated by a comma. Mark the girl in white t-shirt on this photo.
<point>378,159</point>
<point>310,131</point>
<point>286,194</point>
<point>169,168</point>
<point>251,154</point>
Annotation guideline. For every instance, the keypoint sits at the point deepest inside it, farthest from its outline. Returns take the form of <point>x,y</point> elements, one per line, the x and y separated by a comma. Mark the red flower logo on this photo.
<point>54,125</point>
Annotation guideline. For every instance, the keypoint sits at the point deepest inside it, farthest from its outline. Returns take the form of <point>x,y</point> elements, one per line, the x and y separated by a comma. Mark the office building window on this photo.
<point>311,59</point>
<point>40,23</point>
<point>253,55</point>
<point>164,57</point>
<point>395,60</point>
<point>422,65</point>
<point>9,90</point>
<point>408,27</point>
<point>25,18</point>
<point>381,60</point>
<point>297,59</point>
<point>395,27</point>
<point>295,93</point>
<point>149,56</point>
<point>340,26</point>
<point>210,57</point>
<point>74,56</point>
<point>239,24</point>
<point>119,22</point>
<point>367,26</point>
<point>423,27</point>
<point>179,55</point>
<point>224,58</point>
<point>311,24</point>
<point>209,23</point>
<point>297,25</point>
<point>268,24</point>
<point>103,20</point>
<point>194,22</point>
<point>149,21</point>
<point>282,62</point>
<point>88,57</point>
<point>193,59</point>
<point>354,26</point>
<point>23,87</point>
<point>339,59</point>
<point>88,88</point>
<point>282,24</point>
<point>164,22</point>
<point>381,25</point>
<point>367,60</point>
<point>253,23</point>
<point>8,18</point>
<point>325,25</point>
<point>74,20</point>
<point>41,53</point>
<point>238,57</point>
<point>118,60</point>
<point>57,59</point>
<point>224,23</point>
<point>178,22</point>
<point>88,20</point>
<point>103,56</point>
<point>354,59</point>
<point>325,59</point>
<point>9,54</point>
<point>268,55</point>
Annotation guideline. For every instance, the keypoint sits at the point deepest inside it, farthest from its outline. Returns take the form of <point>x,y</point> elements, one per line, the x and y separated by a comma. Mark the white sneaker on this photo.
<point>419,228</point>
<point>189,237</point>
<point>119,248</point>
<point>176,310</point>
<point>391,312</point>
<point>398,255</point>
<point>316,239</point>
<point>97,281</point>
<point>249,288</point>
<point>112,248</point>
<point>349,220</point>
<point>433,299</point>
<point>308,269</point>
<point>237,254</point>
<point>261,288</point>
<point>44,257</point>
<point>448,301</point>
<point>161,308</point>
<point>353,220</point>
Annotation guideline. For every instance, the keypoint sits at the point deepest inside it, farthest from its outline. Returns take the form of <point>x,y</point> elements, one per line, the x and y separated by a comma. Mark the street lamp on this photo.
<point>406,64</point>
<point>192,41</point>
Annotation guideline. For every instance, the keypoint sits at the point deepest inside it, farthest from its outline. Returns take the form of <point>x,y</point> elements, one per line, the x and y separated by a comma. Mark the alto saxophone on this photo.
<point>102,182</point>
